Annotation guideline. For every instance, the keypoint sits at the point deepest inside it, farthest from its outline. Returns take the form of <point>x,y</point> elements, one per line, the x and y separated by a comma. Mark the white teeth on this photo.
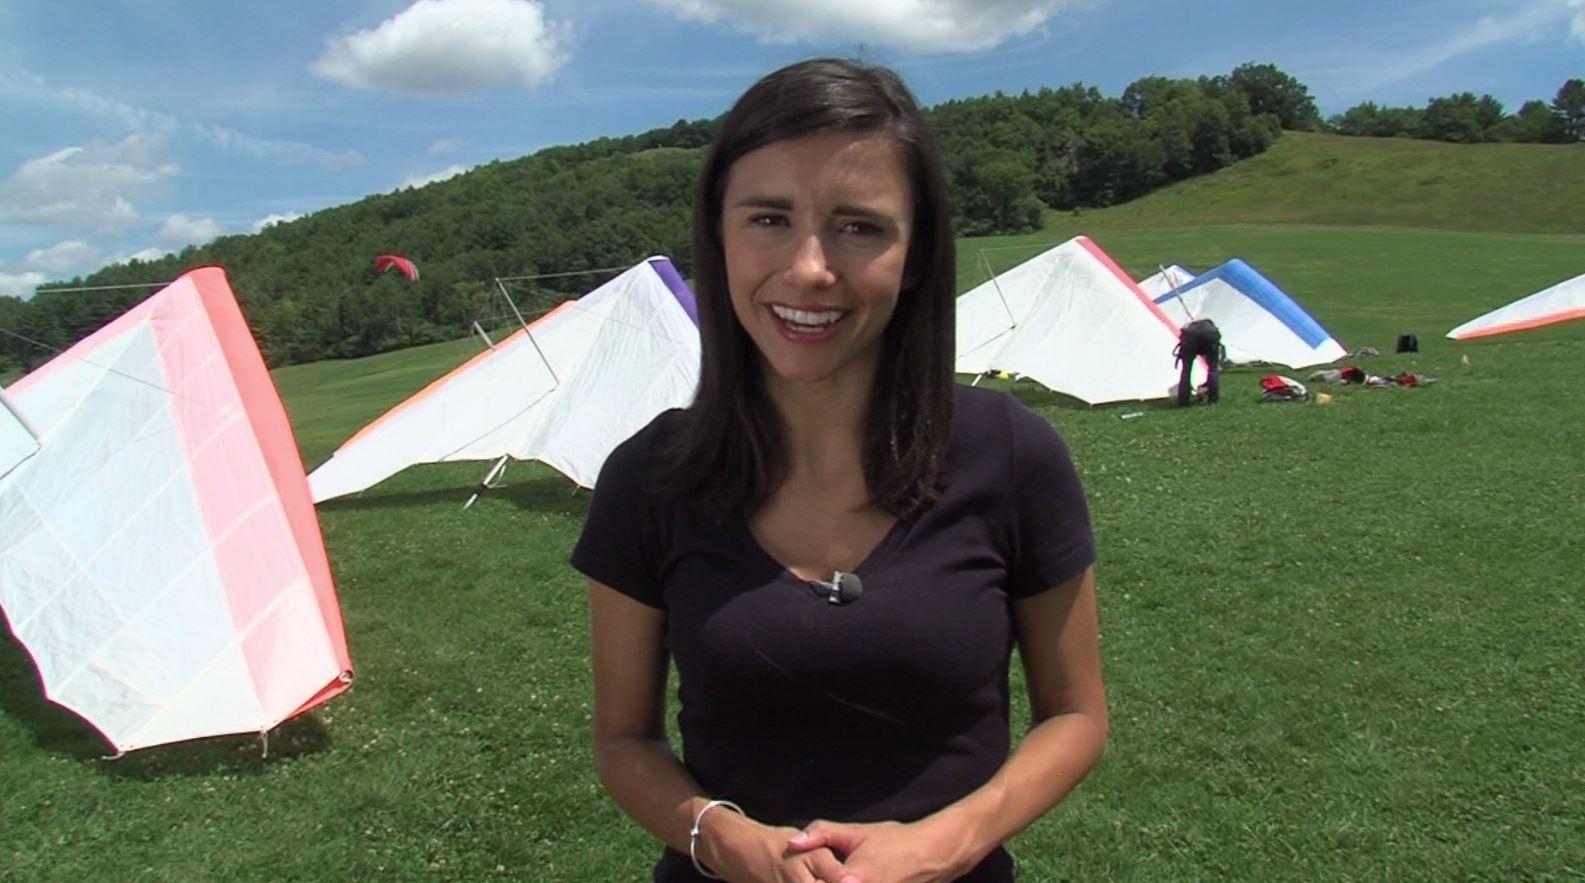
<point>804,317</point>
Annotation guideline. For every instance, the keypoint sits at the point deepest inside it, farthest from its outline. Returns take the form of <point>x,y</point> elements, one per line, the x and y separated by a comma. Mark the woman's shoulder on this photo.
<point>988,420</point>
<point>990,415</point>
<point>633,463</point>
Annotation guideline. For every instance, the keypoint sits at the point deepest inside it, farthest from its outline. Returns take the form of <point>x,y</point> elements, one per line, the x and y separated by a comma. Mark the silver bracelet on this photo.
<point>693,835</point>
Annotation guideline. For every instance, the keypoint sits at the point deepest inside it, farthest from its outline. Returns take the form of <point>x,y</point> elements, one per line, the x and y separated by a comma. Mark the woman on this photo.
<point>857,729</point>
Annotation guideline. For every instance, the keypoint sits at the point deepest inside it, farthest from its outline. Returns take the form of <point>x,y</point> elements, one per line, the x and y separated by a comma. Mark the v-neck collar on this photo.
<point>874,561</point>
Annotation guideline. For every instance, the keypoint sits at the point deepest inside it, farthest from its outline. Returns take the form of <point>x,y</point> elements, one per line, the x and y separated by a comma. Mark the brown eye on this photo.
<point>860,228</point>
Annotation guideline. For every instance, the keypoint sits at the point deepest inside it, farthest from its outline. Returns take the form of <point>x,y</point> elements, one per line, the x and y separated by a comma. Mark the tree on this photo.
<point>1116,162</point>
<point>995,193</point>
<point>1271,91</point>
<point>1455,118</point>
<point>1535,123</point>
<point>1148,95</point>
<point>12,350</point>
<point>1375,121</point>
<point>1488,112</point>
<point>1569,105</point>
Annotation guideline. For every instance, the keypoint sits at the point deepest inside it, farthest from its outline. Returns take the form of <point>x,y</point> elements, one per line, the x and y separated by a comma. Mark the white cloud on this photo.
<point>450,48</point>
<point>66,258</point>
<point>145,254</point>
<point>180,230</point>
<point>290,153</point>
<point>911,25</point>
<point>28,86</point>
<point>1367,71</point>
<point>88,188</point>
<point>273,219</point>
<point>447,145</point>
<point>442,175</point>
<point>20,284</point>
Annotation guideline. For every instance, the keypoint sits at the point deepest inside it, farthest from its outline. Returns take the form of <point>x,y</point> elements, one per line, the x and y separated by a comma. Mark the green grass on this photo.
<point>1341,642</point>
<point>1333,179</point>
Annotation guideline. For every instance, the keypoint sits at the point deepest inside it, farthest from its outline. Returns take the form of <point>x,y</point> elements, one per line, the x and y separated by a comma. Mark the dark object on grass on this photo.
<point>1200,339</point>
<point>1408,343</point>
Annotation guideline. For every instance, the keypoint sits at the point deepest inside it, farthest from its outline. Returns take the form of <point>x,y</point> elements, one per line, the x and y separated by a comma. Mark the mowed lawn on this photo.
<point>1341,642</point>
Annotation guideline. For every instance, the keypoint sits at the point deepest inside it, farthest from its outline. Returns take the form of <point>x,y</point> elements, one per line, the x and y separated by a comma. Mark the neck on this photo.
<point>823,424</point>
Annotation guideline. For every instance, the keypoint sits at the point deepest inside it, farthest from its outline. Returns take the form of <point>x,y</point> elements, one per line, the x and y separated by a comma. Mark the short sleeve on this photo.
<point>1053,541</point>
<point>618,543</point>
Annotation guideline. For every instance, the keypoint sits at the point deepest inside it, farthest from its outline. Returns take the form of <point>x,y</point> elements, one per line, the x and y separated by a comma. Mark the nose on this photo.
<point>809,265</point>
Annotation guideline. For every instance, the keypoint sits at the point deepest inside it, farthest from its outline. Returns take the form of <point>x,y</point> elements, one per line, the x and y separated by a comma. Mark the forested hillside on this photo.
<point>309,290</point>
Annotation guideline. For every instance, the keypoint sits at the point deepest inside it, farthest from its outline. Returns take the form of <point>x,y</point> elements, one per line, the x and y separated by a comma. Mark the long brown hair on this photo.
<point>730,447</point>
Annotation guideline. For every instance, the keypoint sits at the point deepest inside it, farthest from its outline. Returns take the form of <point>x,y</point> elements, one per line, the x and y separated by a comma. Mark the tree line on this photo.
<point>309,292</point>
<point>1465,119</point>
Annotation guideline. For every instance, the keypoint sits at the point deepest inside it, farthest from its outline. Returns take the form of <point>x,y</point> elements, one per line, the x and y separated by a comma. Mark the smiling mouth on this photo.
<point>807,322</point>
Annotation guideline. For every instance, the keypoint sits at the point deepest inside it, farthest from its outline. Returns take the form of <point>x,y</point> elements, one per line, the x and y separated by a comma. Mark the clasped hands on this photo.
<point>834,852</point>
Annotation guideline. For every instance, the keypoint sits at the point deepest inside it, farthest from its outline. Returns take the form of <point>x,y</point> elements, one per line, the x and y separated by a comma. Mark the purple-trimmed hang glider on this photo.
<point>565,390</point>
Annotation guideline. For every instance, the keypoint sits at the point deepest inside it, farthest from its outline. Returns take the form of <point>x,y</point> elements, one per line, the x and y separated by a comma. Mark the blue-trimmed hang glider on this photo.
<point>1259,321</point>
<point>1170,278</point>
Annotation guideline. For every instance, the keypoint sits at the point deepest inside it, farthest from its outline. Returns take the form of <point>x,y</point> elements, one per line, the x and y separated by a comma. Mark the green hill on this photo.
<point>1333,179</point>
<point>1340,642</point>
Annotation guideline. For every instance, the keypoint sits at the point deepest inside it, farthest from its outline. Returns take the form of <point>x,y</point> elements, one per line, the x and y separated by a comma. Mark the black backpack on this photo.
<point>1408,343</point>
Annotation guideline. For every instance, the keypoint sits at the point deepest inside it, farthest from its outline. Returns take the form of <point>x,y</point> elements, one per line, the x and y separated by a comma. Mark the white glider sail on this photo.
<point>1169,279</point>
<point>1072,320</point>
<point>160,558</point>
<point>566,390</point>
<point>1562,302</point>
<point>17,439</point>
<point>1259,321</point>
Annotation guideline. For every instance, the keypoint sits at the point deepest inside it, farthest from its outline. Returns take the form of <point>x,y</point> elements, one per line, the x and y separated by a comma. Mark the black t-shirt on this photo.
<point>887,708</point>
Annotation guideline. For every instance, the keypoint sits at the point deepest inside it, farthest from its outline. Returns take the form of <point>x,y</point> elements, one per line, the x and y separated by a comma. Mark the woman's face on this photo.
<point>816,234</point>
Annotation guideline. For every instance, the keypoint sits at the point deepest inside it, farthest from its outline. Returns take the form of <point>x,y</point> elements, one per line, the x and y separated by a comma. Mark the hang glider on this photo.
<point>18,441</point>
<point>565,390</point>
<point>385,262</point>
<point>1071,319</point>
<point>1562,302</point>
<point>1169,279</point>
<point>160,558</point>
<point>1259,321</point>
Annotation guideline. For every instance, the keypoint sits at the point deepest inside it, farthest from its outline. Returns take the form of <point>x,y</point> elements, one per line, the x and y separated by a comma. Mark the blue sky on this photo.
<point>135,127</point>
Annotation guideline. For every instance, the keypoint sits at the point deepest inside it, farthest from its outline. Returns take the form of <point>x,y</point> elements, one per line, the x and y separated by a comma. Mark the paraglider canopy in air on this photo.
<point>386,261</point>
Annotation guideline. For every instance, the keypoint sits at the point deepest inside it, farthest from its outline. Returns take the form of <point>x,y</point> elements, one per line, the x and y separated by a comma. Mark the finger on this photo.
<point>827,869</point>
<point>813,836</point>
<point>839,838</point>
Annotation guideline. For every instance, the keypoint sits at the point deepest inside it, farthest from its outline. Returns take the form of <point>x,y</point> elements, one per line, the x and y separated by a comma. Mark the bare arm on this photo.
<point>1059,642</point>
<point>641,772</point>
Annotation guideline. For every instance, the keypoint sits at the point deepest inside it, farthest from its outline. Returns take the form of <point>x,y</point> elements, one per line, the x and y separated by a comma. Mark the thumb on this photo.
<point>820,834</point>
<point>810,838</point>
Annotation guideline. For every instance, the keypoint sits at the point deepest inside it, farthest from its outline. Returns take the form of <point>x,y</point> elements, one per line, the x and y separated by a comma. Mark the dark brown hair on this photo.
<point>730,447</point>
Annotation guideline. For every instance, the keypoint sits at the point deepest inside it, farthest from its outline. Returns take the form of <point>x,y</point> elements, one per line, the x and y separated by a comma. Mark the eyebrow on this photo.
<point>770,202</point>
<point>779,203</point>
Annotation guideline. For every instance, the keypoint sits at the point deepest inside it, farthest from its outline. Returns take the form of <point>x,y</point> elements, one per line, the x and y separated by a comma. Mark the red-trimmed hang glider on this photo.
<point>386,261</point>
<point>160,558</point>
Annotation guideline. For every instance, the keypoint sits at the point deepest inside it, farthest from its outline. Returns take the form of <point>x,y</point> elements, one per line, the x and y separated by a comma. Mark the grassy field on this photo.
<point>1333,179</point>
<point>1341,642</point>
